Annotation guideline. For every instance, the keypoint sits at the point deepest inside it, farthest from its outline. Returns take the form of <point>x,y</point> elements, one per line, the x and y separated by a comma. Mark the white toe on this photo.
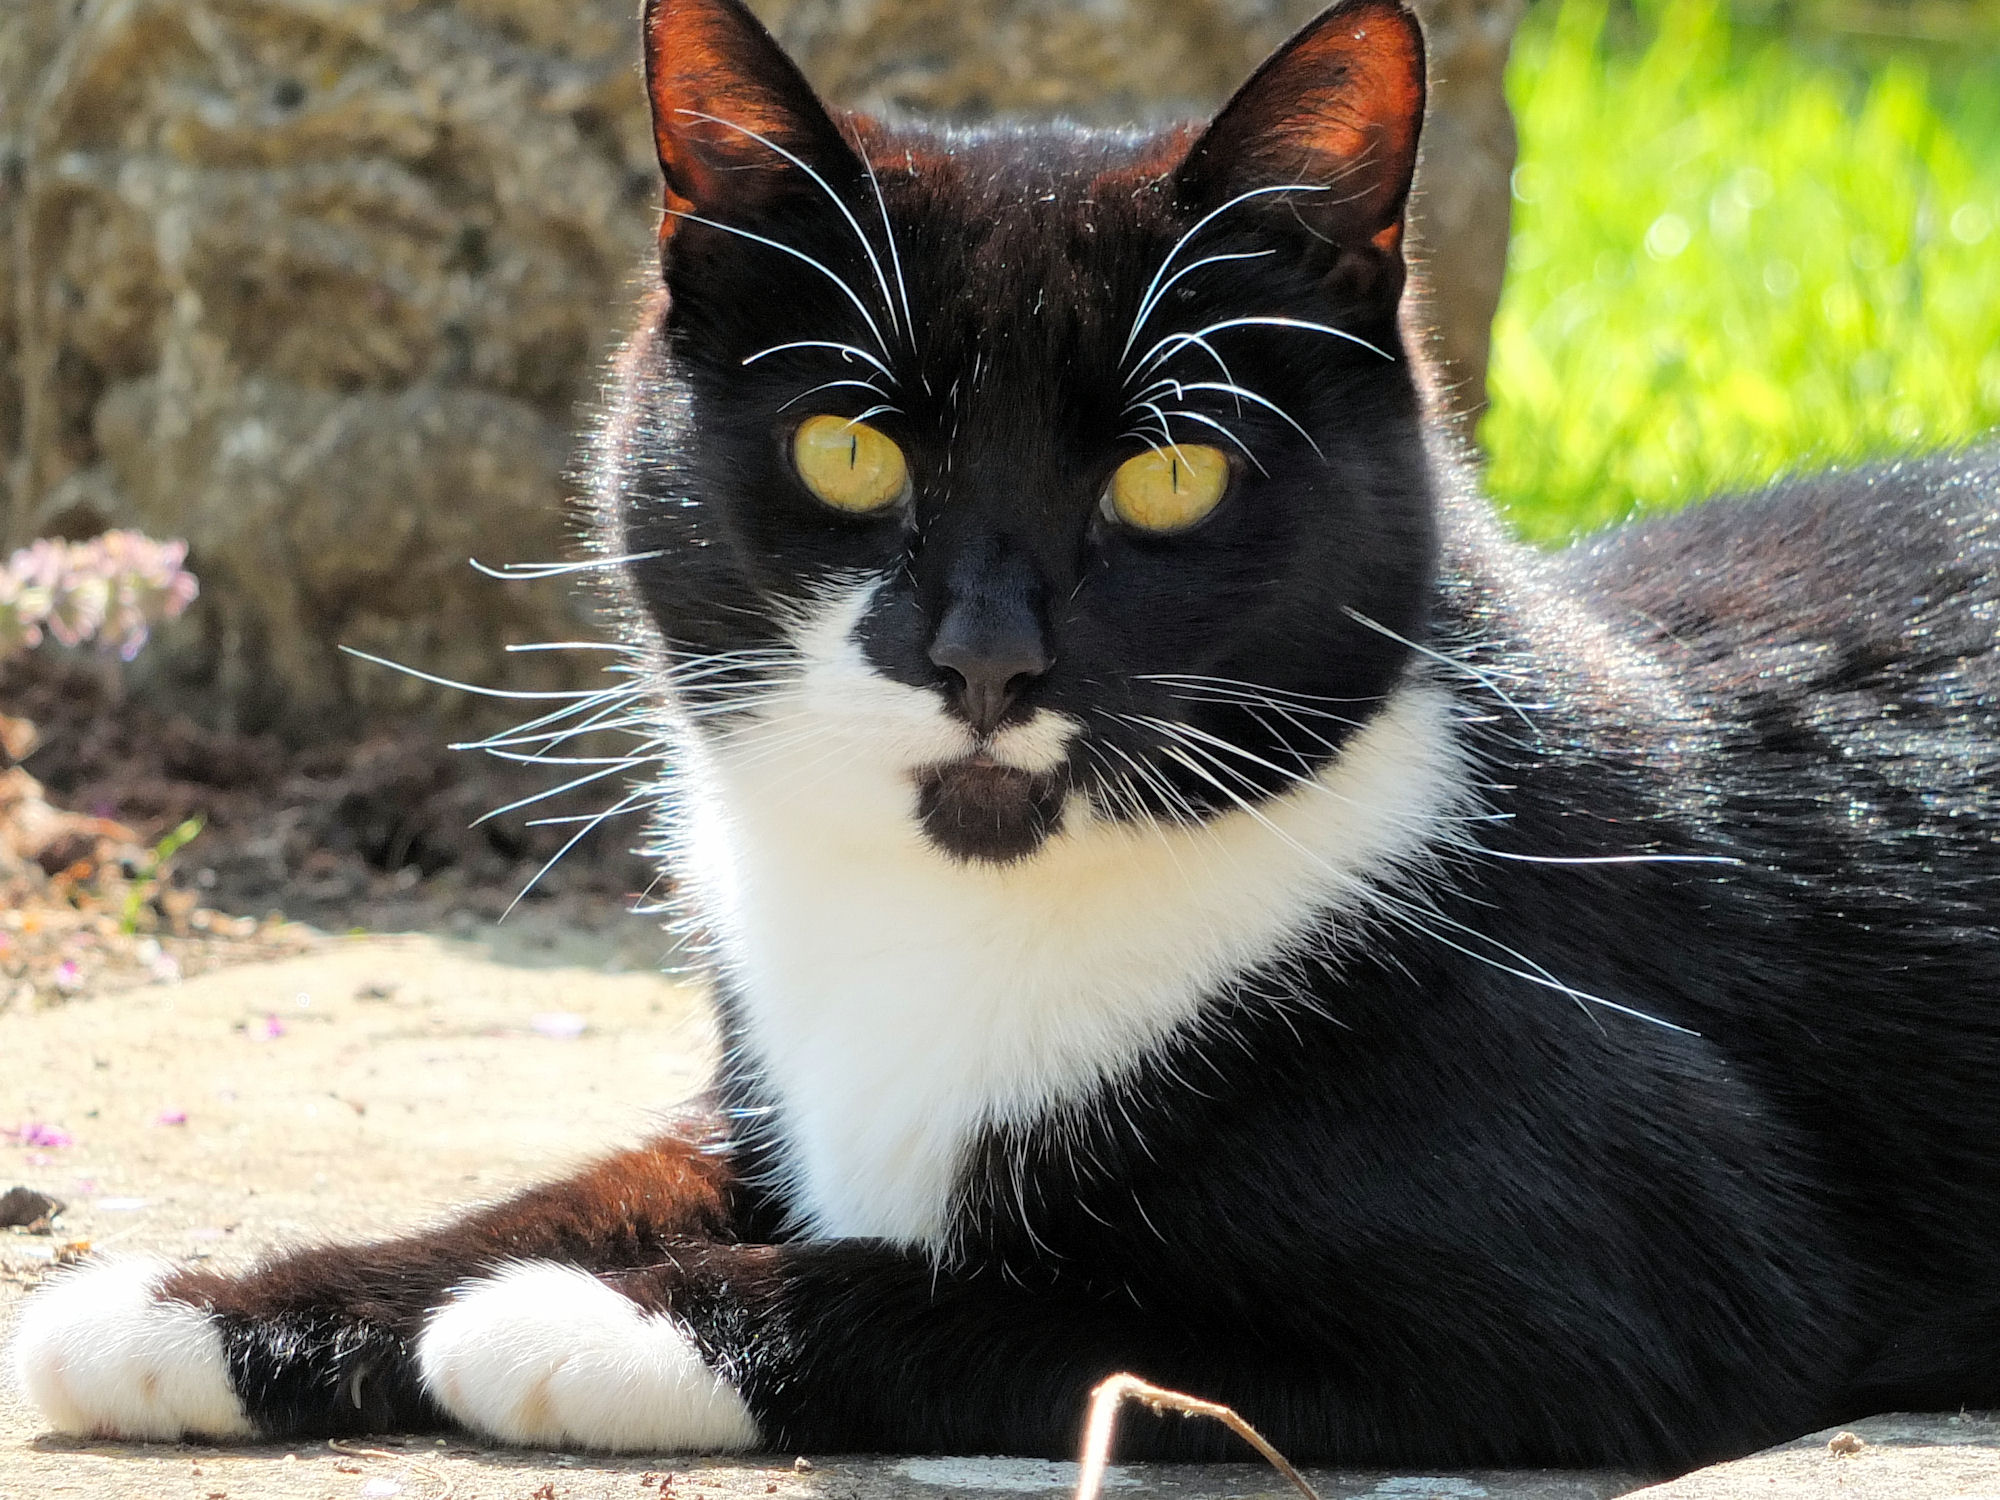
<point>548,1355</point>
<point>99,1355</point>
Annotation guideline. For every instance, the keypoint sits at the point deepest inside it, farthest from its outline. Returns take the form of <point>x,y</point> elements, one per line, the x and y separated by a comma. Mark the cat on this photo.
<point>1183,891</point>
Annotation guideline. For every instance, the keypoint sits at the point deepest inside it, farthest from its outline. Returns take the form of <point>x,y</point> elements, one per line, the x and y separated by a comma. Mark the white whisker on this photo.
<point>1208,421</point>
<point>626,804</point>
<point>845,350</point>
<point>853,223</point>
<point>615,646</point>
<point>591,818</point>
<point>1154,291</point>
<point>828,385</point>
<point>1243,395</point>
<point>550,726</point>
<point>524,572</point>
<point>1454,663</point>
<point>1174,342</point>
<point>1179,750</point>
<point>873,411</point>
<point>1191,341</point>
<point>464,687</point>
<point>554,791</point>
<point>1154,297</point>
<point>819,266</point>
<point>895,255</point>
<point>1256,687</point>
<point>1166,432</point>
<point>1612,859</point>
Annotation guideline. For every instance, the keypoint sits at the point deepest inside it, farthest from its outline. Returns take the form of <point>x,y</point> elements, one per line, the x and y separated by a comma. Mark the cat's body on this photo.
<point>1454,1003</point>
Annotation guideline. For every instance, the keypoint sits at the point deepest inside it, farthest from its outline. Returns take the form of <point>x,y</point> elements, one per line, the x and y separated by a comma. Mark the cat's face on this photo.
<point>1060,476</point>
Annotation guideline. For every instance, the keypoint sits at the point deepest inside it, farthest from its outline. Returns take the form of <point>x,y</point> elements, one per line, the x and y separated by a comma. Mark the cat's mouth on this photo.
<point>978,808</point>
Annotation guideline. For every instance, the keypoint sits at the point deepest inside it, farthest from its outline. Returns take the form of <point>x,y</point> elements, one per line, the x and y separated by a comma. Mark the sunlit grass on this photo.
<point>1732,258</point>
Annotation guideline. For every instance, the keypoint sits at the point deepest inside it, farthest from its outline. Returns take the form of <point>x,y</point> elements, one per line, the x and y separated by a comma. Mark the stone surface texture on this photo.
<point>406,1074</point>
<point>1946,1456</point>
<point>324,285</point>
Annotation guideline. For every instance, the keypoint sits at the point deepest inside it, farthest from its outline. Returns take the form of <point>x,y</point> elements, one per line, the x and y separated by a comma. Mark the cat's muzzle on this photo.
<point>977,808</point>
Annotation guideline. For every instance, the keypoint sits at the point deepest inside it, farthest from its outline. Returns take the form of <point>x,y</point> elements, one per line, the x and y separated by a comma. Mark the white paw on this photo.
<point>547,1355</point>
<point>100,1356</point>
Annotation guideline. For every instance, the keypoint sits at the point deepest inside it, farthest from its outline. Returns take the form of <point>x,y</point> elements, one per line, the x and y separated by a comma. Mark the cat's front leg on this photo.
<point>850,1345</point>
<point>818,1346</point>
<point>324,1342</point>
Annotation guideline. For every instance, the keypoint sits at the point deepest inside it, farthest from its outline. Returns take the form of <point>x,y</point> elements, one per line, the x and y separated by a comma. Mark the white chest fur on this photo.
<point>899,1002</point>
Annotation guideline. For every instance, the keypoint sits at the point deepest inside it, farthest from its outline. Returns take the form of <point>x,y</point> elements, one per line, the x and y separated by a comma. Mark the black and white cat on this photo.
<point>1185,894</point>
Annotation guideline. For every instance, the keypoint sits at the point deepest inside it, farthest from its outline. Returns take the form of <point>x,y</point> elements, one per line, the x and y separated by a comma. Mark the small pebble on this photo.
<point>23,1207</point>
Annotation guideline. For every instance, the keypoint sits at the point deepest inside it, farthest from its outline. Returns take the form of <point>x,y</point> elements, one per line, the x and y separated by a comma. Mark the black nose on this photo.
<point>994,659</point>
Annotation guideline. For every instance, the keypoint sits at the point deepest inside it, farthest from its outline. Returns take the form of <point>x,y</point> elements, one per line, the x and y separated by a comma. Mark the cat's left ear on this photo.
<point>1337,110</point>
<point>733,118</point>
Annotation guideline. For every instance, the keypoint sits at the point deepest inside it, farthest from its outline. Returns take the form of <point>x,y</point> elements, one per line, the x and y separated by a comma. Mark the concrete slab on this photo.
<point>1895,1457</point>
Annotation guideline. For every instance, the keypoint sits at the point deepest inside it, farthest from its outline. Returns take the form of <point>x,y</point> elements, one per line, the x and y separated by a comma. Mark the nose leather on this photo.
<point>994,652</point>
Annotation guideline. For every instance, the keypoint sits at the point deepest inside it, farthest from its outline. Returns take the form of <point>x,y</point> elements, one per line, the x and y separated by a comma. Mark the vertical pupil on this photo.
<point>1176,465</point>
<point>853,449</point>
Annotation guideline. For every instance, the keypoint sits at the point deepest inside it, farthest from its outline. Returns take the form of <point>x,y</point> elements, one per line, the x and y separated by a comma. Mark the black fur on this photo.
<point>1652,1121</point>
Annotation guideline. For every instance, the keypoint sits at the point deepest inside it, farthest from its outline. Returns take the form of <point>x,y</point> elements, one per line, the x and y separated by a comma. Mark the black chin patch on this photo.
<point>993,813</point>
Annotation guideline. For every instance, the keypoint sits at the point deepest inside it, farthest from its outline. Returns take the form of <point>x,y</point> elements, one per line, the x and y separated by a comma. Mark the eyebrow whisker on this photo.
<point>1154,291</point>
<point>867,248</point>
<point>819,266</point>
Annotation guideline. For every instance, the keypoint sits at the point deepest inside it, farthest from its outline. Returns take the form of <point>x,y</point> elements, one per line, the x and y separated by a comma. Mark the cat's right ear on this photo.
<point>1336,112</point>
<point>733,118</point>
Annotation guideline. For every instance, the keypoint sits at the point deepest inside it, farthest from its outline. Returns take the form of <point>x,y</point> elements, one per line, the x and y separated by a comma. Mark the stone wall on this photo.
<point>321,285</point>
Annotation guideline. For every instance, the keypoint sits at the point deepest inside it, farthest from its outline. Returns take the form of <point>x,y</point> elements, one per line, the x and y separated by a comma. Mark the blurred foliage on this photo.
<point>1741,247</point>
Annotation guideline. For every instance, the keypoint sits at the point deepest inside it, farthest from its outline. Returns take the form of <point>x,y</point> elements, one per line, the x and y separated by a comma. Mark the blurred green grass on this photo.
<point>1735,254</point>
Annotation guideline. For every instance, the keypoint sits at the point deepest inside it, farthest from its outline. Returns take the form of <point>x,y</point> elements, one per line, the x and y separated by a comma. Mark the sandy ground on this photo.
<point>370,1083</point>
<point>355,1090</point>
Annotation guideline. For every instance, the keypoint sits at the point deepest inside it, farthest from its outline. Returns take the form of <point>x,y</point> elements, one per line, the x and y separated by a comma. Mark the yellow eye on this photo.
<point>1168,489</point>
<point>849,465</point>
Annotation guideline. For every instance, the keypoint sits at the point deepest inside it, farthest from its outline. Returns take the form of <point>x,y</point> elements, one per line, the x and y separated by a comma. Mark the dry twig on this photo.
<point>447,1490</point>
<point>1114,1392</point>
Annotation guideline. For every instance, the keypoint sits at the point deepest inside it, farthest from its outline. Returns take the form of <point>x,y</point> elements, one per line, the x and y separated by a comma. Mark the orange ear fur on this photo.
<point>1339,107</point>
<point>717,81</point>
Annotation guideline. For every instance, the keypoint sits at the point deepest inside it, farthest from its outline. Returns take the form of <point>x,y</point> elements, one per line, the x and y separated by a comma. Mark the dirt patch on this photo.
<point>387,830</point>
<point>353,1091</point>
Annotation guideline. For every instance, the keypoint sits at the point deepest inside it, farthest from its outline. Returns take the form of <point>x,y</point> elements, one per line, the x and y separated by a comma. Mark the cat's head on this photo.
<point>1047,476</point>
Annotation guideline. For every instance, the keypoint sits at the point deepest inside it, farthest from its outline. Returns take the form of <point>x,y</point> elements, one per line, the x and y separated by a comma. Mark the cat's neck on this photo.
<point>897,1001</point>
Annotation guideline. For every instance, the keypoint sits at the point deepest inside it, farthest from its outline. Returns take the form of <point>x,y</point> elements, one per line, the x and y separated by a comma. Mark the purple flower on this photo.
<point>39,1133</point>
<point>23,607</point>
<point>80,606</point>
<point>40,564</point>
<point>116,588</point>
